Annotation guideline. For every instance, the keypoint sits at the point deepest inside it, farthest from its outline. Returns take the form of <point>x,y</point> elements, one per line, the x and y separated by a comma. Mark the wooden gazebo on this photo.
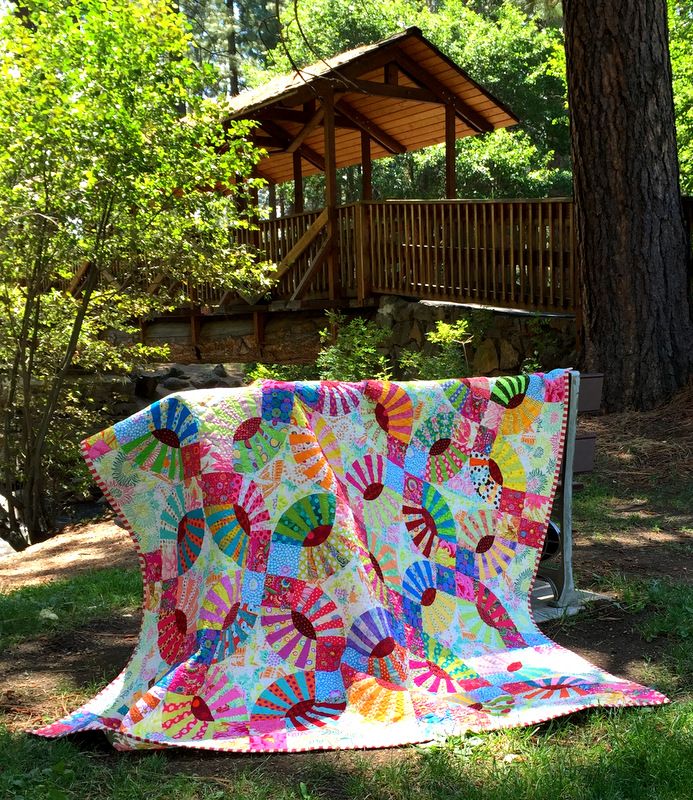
<point>394,96</point>
<point>378,100</point>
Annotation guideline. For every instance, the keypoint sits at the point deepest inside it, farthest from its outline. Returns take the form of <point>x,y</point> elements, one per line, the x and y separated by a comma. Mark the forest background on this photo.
<point>96,171</point>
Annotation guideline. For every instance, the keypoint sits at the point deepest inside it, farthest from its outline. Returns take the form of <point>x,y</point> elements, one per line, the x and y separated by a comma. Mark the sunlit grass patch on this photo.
<point>67,604</point>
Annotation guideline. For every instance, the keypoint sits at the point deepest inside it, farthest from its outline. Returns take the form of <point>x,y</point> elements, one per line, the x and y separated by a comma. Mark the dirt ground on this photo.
<point>77,550</point>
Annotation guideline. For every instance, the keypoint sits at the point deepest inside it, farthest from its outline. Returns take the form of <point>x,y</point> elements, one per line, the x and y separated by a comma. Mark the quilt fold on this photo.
<point>337,565</point>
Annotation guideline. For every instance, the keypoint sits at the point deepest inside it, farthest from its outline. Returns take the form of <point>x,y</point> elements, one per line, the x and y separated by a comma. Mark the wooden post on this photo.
<point>366,167</point>
<point>331,188</point>
<point>298,183</point>
<point>391,73</point>
<point>363,252</point>
<point>450,172</point>
<point>253,217</point>
<point>272,200</point>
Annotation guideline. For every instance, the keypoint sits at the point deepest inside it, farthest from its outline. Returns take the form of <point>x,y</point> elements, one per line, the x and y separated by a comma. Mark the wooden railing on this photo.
<point>506,253</point>
<point>516,254</point>
<point>510,253</point>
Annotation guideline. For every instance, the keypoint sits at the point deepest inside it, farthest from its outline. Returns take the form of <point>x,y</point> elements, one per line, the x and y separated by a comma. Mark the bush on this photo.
<point>280,372</point>
<point>352,353</point>
<point>451,358</point>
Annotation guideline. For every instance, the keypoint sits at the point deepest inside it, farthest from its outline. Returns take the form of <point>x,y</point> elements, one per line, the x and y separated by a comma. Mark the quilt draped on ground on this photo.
<point>336,565</point>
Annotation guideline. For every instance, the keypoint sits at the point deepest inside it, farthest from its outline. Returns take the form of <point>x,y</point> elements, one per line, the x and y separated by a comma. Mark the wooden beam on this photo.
<point>375,60</point>
<point>228,295</point>
<point>307,129</point>
<point>331,199</point>
<point>308,237</point>
<point>298,183</point>
<point>470,117</point>
<point>80,275</point>
<point>374,131</point>
<point>366,167</point>
<point>268,141</point>
<point>450,161</point>
<point>413,93</point>
<point>307,152</point>
<point>312,270</point>
<point>340,121</point>
<point>280,113</point>
<point>391,73</point>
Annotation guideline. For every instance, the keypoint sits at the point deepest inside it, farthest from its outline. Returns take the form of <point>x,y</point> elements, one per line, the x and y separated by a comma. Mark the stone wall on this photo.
<point>508,338</point>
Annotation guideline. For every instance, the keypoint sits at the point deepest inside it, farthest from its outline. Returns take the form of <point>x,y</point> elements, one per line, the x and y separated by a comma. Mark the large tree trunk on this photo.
<point>631,239</point>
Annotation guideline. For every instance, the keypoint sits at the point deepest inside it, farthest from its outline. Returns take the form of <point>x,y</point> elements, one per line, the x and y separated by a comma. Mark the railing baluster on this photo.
<point>573,299</point>
<point>485,241</point>
<point>530,256</point>
<point>561,254</point>
<point>512,253</point>
<point>477,282</point>
<point>449,264</point>
<point>494,255</point>
<point>458,248</point>
<point>550,261</point>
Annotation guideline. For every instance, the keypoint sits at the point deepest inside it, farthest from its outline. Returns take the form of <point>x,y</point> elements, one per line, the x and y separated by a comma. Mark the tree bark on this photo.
<point>231,50</point>
<point>631,240</point>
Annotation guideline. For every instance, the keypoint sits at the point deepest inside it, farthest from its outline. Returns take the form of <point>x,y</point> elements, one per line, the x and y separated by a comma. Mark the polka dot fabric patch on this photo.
<point>339,565</point>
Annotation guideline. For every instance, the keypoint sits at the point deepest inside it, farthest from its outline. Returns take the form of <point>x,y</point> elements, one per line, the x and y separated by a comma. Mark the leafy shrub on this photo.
<point>455,342</point>
<point>450,358</point>
<point>352,354</point>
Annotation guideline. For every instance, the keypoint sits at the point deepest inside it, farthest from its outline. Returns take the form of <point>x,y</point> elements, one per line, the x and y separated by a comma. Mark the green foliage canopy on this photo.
<point>109,155</point>
<point>515,49</point>
<point>681,50</point>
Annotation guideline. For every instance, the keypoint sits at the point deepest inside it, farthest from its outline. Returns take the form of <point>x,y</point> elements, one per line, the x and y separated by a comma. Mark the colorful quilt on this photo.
<point>337,565</point>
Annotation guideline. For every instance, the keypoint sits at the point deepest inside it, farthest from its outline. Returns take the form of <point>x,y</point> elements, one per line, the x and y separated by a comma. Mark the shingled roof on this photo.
<point>395,91</point>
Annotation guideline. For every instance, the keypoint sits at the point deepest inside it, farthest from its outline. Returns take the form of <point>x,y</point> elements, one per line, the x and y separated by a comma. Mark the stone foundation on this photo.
<point>507,340</point>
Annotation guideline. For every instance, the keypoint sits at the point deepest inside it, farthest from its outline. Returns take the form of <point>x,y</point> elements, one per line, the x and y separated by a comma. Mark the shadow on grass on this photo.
<point>644,530</point>
<point>598,755</point>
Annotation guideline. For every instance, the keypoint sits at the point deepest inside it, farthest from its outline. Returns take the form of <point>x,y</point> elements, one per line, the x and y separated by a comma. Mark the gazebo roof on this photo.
<point>394,91</point>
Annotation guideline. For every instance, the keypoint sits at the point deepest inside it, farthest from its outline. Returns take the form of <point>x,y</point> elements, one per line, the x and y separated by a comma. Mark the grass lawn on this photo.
<point>633,543</point>
<point>67,604</point>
